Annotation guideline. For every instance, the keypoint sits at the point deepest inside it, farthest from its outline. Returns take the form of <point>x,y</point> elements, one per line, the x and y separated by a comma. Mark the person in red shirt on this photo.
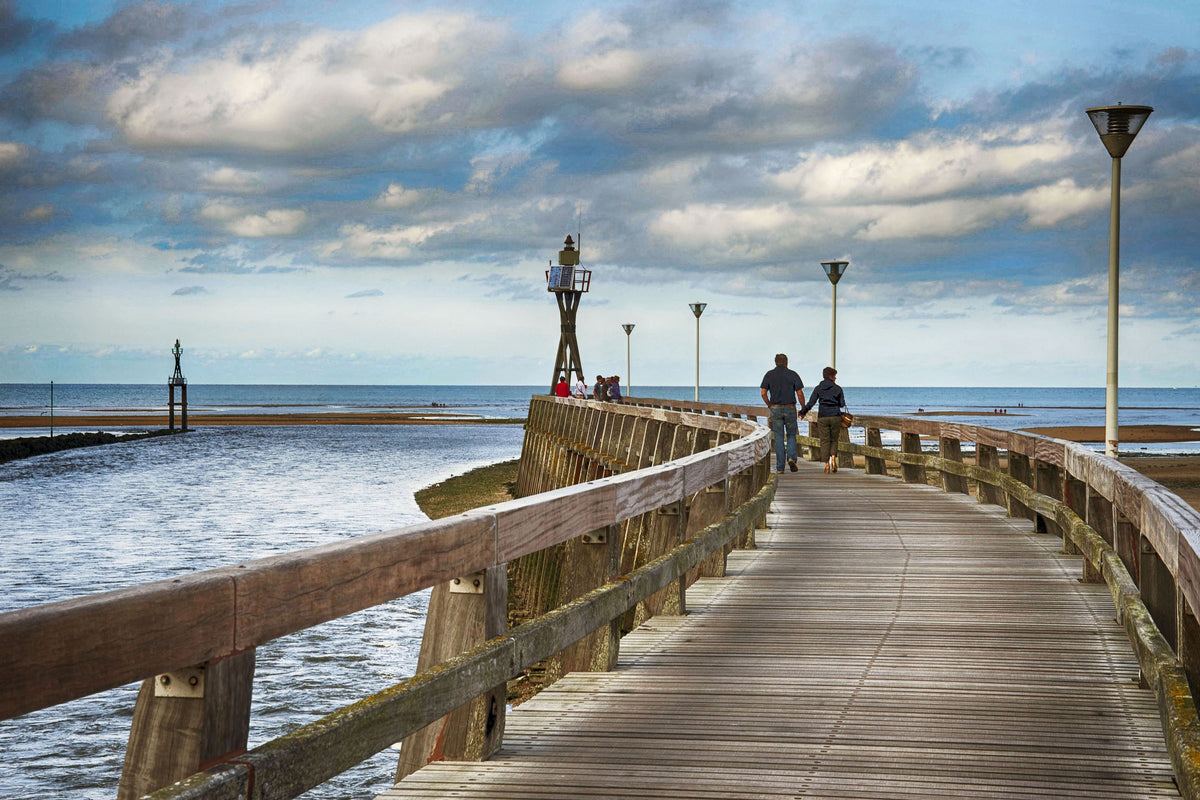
<point>561,389</point>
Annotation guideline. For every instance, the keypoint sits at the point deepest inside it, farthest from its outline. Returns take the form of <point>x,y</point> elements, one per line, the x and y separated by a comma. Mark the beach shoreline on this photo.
<point>138,420</point>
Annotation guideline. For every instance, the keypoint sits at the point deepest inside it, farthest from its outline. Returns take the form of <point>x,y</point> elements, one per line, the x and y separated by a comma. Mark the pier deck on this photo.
<point>885,641</point>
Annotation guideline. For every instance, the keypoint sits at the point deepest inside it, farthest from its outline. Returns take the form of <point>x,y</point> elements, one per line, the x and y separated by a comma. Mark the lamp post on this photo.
<point>698,309</point>
<point>628,326</point>
<point>834,270</point>
<point>1117,126</point>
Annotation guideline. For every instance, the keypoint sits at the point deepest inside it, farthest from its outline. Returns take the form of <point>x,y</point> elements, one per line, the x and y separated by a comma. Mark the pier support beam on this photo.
<point>183,721</point>
<point>461,615</point>
<point>988,457</point>
<point>913,473</point>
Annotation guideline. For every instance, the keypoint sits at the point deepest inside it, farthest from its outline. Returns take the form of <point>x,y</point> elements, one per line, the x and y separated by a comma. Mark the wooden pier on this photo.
<point>884,640</point>
<point>1011,617</point>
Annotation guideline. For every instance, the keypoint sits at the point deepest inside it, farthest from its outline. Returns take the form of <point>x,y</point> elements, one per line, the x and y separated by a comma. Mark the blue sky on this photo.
<point>369,192</point>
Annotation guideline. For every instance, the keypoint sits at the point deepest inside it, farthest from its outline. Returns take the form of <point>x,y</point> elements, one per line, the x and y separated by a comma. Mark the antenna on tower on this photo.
<point>579,232</point>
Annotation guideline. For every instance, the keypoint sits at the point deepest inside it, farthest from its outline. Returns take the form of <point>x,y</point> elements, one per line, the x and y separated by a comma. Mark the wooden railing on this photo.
<point>695,484</point>
<point>1133,534</point>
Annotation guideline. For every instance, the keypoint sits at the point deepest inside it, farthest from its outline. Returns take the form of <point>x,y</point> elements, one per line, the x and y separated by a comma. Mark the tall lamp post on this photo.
<point>698,309</point>
<point>1117,126</point>
<point>628,326</point>
<point>834,270</point>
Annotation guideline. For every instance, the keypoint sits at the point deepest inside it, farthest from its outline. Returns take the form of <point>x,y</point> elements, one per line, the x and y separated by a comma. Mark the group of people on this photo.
<point>783,392</point>
<point>607,389</point>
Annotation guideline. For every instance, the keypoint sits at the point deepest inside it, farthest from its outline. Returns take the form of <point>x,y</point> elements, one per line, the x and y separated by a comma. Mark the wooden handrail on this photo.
<point>53,653</point>
<point>285,767</point>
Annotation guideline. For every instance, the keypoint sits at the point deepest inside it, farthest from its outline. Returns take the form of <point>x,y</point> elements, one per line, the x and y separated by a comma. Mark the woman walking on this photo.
<point>831,404</point>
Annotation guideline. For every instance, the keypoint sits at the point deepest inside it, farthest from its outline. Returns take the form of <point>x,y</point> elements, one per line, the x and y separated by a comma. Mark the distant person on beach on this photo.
<point>580,388</point>
<point>600,390</point>
<point>831,404</point>
<point>561,389</point>
<point>614,389</point>
<point>781,390</point>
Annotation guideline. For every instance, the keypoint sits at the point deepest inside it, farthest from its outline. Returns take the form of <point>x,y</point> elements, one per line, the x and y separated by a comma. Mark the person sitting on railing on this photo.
<point>831,404</point>
<point>781,390</point>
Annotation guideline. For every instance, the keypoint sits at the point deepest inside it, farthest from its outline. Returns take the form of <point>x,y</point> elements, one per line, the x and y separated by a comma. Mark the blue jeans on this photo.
<point>783,419</point>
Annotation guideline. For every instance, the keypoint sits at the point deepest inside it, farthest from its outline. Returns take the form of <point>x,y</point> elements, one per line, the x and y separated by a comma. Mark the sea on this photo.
<point>94,519</point>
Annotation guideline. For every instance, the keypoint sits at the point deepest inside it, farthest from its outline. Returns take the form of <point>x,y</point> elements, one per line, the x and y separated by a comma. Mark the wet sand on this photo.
<point>136,420</point>
<point>1134,434</point>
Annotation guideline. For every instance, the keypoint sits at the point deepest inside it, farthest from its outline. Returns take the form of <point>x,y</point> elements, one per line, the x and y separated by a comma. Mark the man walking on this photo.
<point>782,389</point>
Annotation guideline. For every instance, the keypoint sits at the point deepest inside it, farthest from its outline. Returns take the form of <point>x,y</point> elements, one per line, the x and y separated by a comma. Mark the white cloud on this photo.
<point>229,179</point>
<point>12,154</point>
<point>931,165</point>
<point>321,90</point>
<point>235,220</point>
<point>939,219</point>
<point>1047,206</point>
<point>609,71</point>
<point>395,243</point>
<point>397,196</point>
<point>39,213</point>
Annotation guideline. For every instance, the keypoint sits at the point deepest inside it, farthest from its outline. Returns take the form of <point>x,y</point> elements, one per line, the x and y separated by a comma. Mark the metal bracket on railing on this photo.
<point>182,683</point>
<point>595,537</point>
<point>670,510</point>
<point>468,584</point>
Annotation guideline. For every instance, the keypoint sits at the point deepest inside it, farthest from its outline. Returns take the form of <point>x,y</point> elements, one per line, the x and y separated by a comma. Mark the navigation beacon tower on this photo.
<point>177,380</point>
<point>568,281</point>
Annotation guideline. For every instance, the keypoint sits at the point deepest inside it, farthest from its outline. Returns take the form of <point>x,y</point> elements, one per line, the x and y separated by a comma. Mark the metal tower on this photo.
<point>568,281</point>
<point>177,380</point>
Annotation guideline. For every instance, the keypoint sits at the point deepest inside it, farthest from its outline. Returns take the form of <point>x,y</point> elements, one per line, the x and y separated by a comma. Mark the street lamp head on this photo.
<point>628,326</point>
<point>698,308</point>
<point>834,270</point>
<point>1118,125</point>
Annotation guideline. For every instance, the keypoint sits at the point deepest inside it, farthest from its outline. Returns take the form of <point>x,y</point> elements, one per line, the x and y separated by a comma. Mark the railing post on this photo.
<point>950,449</point>
<point>667,530</point>
<point>462,614</point>
<point>186,719</point>
<point>592,560</point>
<point>1018,469</point>
<point>842,448</point>
<point>1188,647</point>
<point>1075,495</point>
<point>913,473</point>
<point>1157,587</point>
<point>1047,481</point>
<point>988,457</point>
<point>1125,542</point>
<point>875,465</point>
<point>708,506</point>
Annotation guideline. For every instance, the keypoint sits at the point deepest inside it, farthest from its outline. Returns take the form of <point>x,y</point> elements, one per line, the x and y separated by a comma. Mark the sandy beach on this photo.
<point>140,420</point>
<point>1134,434</point>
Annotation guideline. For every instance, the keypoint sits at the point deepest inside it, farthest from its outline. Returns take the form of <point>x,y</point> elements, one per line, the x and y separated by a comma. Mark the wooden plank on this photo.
<point>60,651</point>
<point>883,640</point>
<point>290,592</point>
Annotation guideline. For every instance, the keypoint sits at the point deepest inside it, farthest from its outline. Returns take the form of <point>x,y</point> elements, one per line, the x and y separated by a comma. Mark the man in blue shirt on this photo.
<point>782,389</point>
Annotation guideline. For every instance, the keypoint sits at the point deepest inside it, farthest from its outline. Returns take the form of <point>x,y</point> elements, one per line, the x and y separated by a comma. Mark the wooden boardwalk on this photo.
<point>884,641</point>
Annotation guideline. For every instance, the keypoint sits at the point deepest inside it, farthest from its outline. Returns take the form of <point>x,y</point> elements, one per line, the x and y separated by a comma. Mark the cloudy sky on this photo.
<point>369,192</point>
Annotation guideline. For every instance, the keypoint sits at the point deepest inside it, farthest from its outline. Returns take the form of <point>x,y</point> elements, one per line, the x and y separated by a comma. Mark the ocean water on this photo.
<point>90,520</point>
